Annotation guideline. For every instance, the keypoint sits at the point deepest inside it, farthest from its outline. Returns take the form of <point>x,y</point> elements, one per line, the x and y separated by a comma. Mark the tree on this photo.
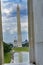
<point>26,44</point>
<point>7,47</point>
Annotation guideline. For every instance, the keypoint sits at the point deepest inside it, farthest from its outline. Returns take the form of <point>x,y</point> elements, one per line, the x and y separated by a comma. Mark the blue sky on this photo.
<point>9,19</point>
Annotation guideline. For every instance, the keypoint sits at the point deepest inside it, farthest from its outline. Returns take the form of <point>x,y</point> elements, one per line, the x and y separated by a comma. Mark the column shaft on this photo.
<point>31,31</point>
<point>1,44</point>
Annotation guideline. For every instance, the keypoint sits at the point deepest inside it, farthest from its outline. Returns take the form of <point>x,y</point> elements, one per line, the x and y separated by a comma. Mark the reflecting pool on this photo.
<point>21,57</point>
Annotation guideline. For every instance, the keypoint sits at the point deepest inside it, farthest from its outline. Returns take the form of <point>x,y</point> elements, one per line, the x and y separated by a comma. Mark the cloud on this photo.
<point>9,9</point>
<point>9,20</point>
<point>13,30</point>
<point>6,11</point>
<point>24,18</point>
<point>10,29</point>
<point>24,23</point>
<point>24,27</point>
<point>9,24</point>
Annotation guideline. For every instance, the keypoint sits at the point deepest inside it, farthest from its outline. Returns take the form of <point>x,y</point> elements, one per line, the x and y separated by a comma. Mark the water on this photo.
<point>22,57</point>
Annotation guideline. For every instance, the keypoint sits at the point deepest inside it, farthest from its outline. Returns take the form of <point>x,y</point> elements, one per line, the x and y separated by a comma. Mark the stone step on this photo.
<point>19,64</point>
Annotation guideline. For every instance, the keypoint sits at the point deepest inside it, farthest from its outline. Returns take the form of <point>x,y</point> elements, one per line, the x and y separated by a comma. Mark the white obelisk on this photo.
<point>19,27</point>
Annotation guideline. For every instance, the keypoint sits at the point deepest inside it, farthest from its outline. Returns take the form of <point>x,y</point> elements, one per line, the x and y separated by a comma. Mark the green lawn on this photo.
<point>21,49</point>
<point>7,57</point>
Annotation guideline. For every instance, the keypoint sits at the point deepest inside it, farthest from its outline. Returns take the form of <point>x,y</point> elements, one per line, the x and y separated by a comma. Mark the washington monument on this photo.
<point>19,27</point>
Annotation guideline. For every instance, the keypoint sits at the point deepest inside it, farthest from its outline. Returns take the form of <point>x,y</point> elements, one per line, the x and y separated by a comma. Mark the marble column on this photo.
<point>36,30</point>
<point>19,27</point>
<point>1,44</point>
<point>31,32</point>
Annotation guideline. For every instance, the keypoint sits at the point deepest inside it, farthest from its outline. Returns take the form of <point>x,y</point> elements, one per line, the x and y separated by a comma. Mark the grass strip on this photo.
<point>21,49</point>
<point>7,57</point>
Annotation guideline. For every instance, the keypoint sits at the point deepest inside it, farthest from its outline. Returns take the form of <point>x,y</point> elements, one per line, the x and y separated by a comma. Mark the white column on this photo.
<point>1,44</point>
<point>38,30</point>
<point>19,27</point>
<point>31,32</point>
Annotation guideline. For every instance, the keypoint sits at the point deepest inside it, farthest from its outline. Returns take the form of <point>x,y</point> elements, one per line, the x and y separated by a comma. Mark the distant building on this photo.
<point>15,43</point>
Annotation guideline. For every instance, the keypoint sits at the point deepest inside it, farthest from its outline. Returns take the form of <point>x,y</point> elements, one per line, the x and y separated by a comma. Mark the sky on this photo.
<point>9,19</point>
